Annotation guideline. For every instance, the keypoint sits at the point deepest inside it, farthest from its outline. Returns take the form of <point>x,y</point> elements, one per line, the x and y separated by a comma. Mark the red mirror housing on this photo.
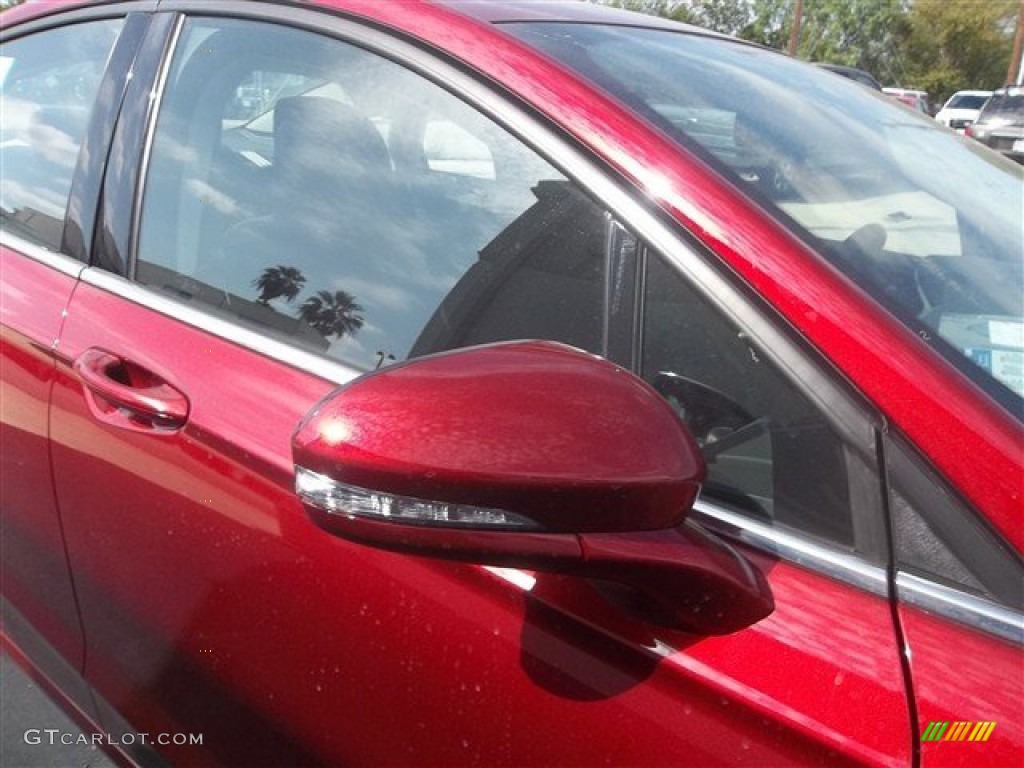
<point>524,454</point>
<point>568,441</point>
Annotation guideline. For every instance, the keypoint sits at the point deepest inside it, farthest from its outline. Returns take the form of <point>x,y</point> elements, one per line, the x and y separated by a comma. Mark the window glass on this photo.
<point>925,221</point>
<point>966,101</point>
<point>1009,102</point>
<point>770,452</point>
<point>451,149</point>
<point>50,82</point>
<point>937,536</point>
<point>335,200</point>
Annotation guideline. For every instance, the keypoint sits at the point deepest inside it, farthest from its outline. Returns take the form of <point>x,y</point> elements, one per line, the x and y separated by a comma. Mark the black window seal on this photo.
<point>83,201</point>
<point>117,217</point>
<point>623,257</point>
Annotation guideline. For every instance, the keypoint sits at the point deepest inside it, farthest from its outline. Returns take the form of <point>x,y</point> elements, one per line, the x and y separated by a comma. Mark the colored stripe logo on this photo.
<point>960,730</point>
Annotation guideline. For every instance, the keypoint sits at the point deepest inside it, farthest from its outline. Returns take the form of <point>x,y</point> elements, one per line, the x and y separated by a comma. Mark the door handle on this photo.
<point>131,395</point>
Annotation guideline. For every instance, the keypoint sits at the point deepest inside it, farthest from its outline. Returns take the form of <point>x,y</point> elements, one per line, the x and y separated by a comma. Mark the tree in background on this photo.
<point>956,45</point>
<point>727,16</point>
<point>279,282</point>
<point>332,313</point>
<point>940,46</point>
<point>867,34</point>
<point>668,9</point>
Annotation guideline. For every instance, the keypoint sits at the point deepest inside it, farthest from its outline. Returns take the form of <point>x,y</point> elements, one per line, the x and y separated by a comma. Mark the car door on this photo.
<point>305,215</point>
<point>61,88</point>
<point>960,606</point>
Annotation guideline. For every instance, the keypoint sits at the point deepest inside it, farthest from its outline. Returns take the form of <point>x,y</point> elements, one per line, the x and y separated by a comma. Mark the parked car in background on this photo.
<point>1000,125</point>
<point>852,73</point>
<point>915,99</point>
<point>527,384</point>
<point>962,108</point>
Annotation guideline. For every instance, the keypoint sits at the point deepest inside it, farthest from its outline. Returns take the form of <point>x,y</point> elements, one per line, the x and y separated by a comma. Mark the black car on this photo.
<point>852,73</point>
<point>1001,123</point>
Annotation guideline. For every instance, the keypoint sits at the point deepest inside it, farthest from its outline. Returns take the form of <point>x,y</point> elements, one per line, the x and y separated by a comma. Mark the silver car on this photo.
<point>1001,123</point>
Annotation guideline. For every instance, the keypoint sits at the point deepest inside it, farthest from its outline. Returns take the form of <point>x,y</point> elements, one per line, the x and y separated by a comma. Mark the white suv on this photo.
<point>962,109</point>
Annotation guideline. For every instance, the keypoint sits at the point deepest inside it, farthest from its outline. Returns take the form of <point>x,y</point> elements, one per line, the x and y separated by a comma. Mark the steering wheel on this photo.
<point>717,421</point>
<point>888,275</point>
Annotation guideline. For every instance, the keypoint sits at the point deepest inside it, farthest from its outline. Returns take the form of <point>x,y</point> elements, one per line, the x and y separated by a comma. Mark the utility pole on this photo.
<point>1013,74</point>
<point>794,32</point>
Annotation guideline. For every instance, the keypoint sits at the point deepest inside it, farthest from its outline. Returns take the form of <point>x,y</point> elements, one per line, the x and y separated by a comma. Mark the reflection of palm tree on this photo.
<point>280,281</point>
<point>332,314</point>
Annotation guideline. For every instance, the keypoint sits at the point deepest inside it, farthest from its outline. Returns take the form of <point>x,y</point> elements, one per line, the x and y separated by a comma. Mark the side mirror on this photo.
<point>530,455</point>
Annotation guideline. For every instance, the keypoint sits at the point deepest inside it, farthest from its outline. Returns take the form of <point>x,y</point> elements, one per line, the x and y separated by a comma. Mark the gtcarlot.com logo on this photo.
<point>53,736</point>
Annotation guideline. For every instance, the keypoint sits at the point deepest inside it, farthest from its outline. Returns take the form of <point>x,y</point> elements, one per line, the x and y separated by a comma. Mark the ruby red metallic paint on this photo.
<point>590,458</point>
<point>35,569</point>
<point>962,675</point>
<point>128,396</point>
<point>210,603</point>
<point>447,659</point>
<point>578,444</point>
<point>240,619</point>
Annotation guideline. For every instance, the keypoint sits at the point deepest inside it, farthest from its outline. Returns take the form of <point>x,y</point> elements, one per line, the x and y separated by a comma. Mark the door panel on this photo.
<point>58,91</point>
<point>963,677</point>
<point>36,580</point>
<point>188,543</point>
<point>824,663</point>
<point>213,605</point>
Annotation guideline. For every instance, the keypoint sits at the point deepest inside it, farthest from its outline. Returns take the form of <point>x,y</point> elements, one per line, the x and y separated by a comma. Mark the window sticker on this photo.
<point>1006,366</point>
<point>1006,333</point>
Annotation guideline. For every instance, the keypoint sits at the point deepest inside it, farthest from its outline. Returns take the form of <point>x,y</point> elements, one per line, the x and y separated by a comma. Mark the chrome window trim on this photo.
<point>308,362</point>
<point>843,566</point>
<point>52,259</point>
<point>970,610</point>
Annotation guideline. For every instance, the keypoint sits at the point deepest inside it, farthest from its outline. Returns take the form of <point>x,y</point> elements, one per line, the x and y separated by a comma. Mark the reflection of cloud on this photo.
<point>207,193</point>
<point>17,114</point>
<point>173,149</point>
<point>349,348</point>
<point>53,145</point>
<point>367,292</point>
<point>369,329</point>
<point>321,229</point>
<point>49,200</point>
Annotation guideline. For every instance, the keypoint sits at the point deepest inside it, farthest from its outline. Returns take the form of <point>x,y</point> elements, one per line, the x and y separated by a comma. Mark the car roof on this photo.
<point>490,11</point>
<point>499,11</point>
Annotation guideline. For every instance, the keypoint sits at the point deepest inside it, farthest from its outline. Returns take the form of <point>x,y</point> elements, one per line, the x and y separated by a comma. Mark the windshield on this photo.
<point>1005,104</point>
<point>926,221</point>
<point>966,101</point>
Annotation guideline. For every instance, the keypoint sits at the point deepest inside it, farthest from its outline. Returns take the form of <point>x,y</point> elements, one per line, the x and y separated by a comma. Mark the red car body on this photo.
<point>166,581</point>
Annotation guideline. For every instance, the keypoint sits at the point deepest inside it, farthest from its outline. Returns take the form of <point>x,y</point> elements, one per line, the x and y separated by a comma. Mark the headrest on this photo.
<point>317,137</point>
